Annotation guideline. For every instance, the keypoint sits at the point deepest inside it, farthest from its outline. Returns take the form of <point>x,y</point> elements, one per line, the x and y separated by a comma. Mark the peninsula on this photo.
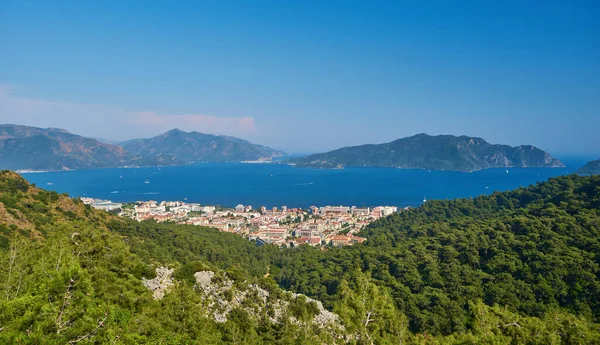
<point>39,149</point>
<point>441,152</point>
<point>591,168</point>
<point>51,149</point>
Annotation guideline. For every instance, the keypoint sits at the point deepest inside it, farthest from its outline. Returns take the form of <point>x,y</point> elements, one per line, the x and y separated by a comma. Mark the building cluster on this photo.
<point>285,227</point>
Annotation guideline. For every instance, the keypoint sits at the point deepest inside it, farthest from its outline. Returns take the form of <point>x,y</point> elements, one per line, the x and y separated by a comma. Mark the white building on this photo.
<point>107,205</point>
<point>208,209</point>
<point>387,210</point>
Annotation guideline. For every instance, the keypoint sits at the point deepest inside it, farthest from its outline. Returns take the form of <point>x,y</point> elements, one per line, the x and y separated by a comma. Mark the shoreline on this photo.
<point>25,171</point>
<point>293,165</point>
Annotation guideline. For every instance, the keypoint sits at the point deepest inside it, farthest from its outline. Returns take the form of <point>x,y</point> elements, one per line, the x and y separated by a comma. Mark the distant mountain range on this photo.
<point>32,148</point>
<point>591,168</point>
<point>23,147</point>
<point>198,147</point>
<point>442,152</point>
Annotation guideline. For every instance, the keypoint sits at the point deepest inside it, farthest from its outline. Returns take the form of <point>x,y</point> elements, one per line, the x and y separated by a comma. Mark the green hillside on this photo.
<point>533,251</point>
<point>520,267</point>
<point>67,279</point>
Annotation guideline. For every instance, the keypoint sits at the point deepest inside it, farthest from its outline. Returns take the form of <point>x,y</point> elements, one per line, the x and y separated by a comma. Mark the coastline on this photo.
<point>283,162</point>
<point>341,167</point>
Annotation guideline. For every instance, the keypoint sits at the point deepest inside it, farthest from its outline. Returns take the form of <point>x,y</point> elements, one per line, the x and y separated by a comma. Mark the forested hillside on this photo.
<point>519,267</point>
<point>533,251</point>
<point>66,279</point>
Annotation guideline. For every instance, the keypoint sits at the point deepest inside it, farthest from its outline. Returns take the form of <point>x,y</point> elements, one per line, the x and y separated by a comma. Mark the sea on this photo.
<point>230,184</point>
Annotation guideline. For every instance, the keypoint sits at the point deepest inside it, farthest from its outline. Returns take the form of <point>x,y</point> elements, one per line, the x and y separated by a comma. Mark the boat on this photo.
<point>424,199</point>
<point>49,183</point>
<point>146,182</point>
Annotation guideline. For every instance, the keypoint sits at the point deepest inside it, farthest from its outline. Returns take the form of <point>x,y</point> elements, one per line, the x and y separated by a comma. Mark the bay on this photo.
<point>229,184</point>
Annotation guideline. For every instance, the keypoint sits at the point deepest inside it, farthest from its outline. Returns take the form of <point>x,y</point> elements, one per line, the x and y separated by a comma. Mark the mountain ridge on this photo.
<point>192,147</point>
<point>590,168</point>
<point>53,149</point>
<point>441,152</point>
<point>25,147</point>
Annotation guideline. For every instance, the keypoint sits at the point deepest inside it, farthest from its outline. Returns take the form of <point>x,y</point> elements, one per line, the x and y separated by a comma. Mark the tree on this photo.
<point>369,313</point>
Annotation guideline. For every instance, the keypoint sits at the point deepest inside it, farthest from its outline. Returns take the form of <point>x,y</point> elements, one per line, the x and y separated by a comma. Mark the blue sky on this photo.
<point>307,76</point>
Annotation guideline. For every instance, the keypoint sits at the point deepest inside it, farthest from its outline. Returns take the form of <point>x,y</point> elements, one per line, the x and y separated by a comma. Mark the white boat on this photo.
<point>49,183</point>
<point>146,182</point>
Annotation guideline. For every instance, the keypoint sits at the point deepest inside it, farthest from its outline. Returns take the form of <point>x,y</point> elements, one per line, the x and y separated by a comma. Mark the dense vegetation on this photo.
<point>533,250</point>
<point>441,152</point>
<point>591,168</point>
<point>66,279</point>
<point>514,267</point>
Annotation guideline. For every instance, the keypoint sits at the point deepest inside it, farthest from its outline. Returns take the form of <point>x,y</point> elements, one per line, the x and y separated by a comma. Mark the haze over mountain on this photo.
<point>192,147</point>
<point>591,168</point>
<point>441,152</point>
<point>23,147</point>
<point>32,148</point>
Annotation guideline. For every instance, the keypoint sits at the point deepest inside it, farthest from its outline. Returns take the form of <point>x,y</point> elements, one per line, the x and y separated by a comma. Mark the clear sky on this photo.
<point>305,75</point>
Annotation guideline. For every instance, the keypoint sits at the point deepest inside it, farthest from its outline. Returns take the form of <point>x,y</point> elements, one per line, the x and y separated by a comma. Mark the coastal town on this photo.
<point>285,227</point>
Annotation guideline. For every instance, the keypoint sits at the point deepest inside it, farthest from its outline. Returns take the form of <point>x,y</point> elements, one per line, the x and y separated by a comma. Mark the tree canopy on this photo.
<point>513,267</point>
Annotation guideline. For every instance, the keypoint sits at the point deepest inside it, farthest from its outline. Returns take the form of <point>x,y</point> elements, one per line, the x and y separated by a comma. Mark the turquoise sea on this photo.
<point>229,184</point>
